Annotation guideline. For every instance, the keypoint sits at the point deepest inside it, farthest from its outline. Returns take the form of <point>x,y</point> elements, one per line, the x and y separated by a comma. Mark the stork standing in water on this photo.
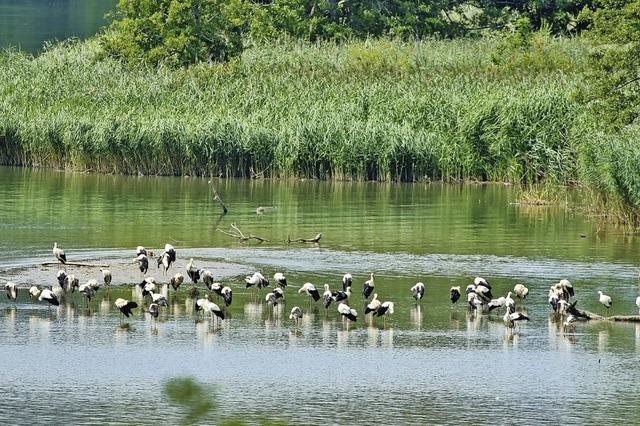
<point>311,291</point>
<point>520,291</point>
<point>49,296</point>
<point>385,309</point>
<point>34,292</point>
<point>176,281</point>
<point>148,285</point>
<point>192,272</point>
<point>212,309</point>
<point>327,296</point>
<point>367,287</point>
<point>61,276</point>
<point>638,302</point>
<point>373,306</point>
<point>280,280</point>
<point>271,299</point>
<point>227,295</point>
<point>125,307</point>
<point>87,292</point>
<point>296,314</point>
<point>159,298</point>
<point>341,295</point>
<point>59,254</point>
<point>510,303</point>
<point>510,319</point>
<point>154,311</point>
<point>482,289</point>
<point>11,290</point>
<point>207,278</point>
<point>71,283</point>
<point>347,312</point>
<point>165,262</point>
<point>167,257</point>
<point>497,303</point>
<point>605,300</point>
<point>106,276</point>
<point>143,263</point>
<point>347,280</point>
<point>256,280</point>
<point>569,323</point>
<point>454,294</point>
<point>417,291</point>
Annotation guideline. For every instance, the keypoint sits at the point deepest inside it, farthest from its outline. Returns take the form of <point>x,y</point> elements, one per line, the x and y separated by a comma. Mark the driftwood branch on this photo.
<point>216,197</point>
<point>593,316</point>
<point>74,264</point>
<point>314,240</point>
<point>235,232</point>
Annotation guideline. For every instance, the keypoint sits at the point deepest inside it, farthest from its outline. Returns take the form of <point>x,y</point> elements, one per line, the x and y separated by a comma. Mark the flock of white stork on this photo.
<point>479,295</point>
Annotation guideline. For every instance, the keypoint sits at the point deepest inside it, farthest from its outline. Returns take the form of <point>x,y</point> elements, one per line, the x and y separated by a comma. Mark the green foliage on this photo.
<point>174,32</point>
<point>378,110</point>
<point>614,78</point>
<point>522,50</point>
<point>192,396</point>
<point>198,403</point>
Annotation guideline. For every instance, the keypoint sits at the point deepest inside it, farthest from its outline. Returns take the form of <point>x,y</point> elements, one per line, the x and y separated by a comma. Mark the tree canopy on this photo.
<point>614,75</point>
<point>180,32</point>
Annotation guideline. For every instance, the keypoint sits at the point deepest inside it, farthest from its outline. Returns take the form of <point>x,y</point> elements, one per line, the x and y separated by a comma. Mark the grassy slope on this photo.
<point>367,110</point>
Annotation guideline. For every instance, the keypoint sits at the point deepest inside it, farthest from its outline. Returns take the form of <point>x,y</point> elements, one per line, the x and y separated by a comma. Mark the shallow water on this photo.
<point>428,363</point>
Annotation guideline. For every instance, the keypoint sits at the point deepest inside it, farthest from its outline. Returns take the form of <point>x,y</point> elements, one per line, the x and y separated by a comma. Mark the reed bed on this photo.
<point>364,110</point>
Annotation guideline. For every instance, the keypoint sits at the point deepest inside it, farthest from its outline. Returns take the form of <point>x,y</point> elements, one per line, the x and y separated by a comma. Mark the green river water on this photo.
<point>430,363</point>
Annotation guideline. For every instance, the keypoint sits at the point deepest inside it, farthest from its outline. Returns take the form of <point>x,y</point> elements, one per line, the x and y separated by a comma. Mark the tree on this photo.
<point>174,32</point>
<point>614,78</point>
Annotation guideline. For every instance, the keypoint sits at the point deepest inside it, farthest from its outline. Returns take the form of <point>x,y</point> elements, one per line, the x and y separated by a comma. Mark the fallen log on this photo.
<point>593,316</point>
<point>314,240</point>
<point>74,264</point>
<point>237,233</point>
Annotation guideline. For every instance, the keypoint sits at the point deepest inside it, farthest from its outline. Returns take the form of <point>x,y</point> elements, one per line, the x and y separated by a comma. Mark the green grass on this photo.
<point>364,110</point>
<point>379,110</point>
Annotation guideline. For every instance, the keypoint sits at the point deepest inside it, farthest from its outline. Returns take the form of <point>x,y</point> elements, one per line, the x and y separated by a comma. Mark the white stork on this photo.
<point>385,309</point>
<point>454,294</point>
<point>510,303</point>
<point>605,300</point>
<point>34,292</point>
<point>59,254</point>
<point>510,319</point>
<point>49,296</point>
<point>227,295</point>
<point>11,290</point>
<point>347,280</point>
<point>311,291</point>
<point>176,281</point>
<point>327,297</point>
<point>106,276</point>
<point>373,306</point>
<point>417,291</point>
<point>520,291</point>
<point>340,295</point>
<point>256,280</point>
<point>296,314</point>
<point>368,286</point>
<point>280,280</point>
<point>143,263</point>
<point>125,307</point>
<point>347,312</point>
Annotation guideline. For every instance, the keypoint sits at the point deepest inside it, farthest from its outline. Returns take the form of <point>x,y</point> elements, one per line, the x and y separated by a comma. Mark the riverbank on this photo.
<point>374,110</point>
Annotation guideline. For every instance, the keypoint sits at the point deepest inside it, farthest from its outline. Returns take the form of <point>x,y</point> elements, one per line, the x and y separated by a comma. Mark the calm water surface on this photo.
<point>27,24</point>
<point>429,363</point>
